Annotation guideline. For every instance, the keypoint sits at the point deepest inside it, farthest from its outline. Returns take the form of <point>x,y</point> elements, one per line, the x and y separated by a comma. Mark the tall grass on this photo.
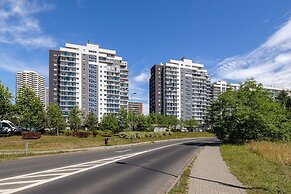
<point>278,152</point>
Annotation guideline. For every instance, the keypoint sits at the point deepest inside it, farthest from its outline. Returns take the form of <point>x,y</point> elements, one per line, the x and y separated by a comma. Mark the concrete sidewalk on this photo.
<point>211,175</point>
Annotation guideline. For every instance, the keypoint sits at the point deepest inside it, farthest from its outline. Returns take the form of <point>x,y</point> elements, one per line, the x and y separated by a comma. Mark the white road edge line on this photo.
<point>122,151</point>
<point>114,159</point>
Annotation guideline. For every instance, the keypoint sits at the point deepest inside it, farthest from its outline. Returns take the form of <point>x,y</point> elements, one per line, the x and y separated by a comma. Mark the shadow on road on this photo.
<point>154,170</point>
<point>214,143</point>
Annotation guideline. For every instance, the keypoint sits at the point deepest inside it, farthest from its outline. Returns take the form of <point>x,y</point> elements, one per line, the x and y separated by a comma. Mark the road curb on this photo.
<point>179,176</point>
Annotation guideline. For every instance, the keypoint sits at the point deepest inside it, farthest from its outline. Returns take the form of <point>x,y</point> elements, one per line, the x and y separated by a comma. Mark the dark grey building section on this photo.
<point>54,68</point>
<point>85,85</point>
<point>156,89</point>
<point>186,94</point>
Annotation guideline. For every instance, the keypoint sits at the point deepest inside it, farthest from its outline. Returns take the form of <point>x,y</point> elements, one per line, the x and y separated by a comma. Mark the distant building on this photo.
<point>219,87</point>
<point>33,80</point>
<point>90,77</point>
<point>46,96</point>
<point>135,107</point>
<point>180,88</point>
<point>275,91</point>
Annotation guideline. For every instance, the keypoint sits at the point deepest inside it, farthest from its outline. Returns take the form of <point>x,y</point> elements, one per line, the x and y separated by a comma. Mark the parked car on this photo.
<point>11,127</point>
<point>4,130</point>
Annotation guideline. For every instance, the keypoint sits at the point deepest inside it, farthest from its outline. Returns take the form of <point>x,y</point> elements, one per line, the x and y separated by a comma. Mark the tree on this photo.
<point>55,119</point>
<point>284,99</point>
<point>132,120</point>
<point>91,121</point>
<point>109,122</point>
<point>5,102</point>
<point>123,119</point>
<point>75,117</point>
<point>191,123</point>
<point>248,114</point>
<point>29,109</point>
<point>141,123</point>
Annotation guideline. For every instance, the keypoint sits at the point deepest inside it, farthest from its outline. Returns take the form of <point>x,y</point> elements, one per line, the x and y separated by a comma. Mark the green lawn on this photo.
<point>257,171</point>
<point>62,142</point>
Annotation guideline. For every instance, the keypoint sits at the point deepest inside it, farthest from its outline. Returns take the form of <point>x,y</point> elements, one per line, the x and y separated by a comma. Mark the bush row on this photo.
<point>136,134</point>
<point>84,134</point>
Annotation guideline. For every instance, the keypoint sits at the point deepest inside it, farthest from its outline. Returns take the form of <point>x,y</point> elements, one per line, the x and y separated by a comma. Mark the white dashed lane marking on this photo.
<point>26,181</point>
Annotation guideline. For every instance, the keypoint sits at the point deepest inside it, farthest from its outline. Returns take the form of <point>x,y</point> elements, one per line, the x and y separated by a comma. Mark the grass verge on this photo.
<point>182,186</point>
<point>256,169</point>
<point>49,143</point>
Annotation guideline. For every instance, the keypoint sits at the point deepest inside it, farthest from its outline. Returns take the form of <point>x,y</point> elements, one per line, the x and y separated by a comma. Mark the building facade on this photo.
<point>33,80</point>
<point>221,86</point>
<point>135,107</point>
<point>180,88</point>
<point>90,77</point>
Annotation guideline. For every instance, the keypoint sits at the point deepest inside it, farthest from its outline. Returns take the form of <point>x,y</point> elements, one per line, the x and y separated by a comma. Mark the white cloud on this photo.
<point>19,26</point>
<point>270,63</point>
<point>142,77</point>
<point>8,63</point>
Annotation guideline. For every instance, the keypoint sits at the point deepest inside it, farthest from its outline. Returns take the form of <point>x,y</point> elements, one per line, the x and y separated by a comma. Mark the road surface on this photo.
<point>143,169</point>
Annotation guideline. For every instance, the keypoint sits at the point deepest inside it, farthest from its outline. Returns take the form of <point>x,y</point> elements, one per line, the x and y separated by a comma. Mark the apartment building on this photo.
<point>90,77</point>
<point>33,80</point>
<point>219,87</point>
<point>135,107</point>
<point>180,88</point>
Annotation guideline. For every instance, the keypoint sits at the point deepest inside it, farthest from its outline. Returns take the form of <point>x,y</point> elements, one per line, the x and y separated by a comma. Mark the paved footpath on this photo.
<point>211,175</point>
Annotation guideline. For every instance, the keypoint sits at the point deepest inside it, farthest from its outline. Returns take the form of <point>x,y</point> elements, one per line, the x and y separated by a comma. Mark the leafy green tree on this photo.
<point>133,119</point>
<point>191,123</point>
<point>91,121</point>
<point>248,114</point>
<point>152,119</point>
<point>75,118</point>
<point>123,119</point>
<point>5,102</point>
<point>30,110</point>
<point>284,99</point>
<point>109,122</point>
<point>55,119</point>
<point>141,123</point>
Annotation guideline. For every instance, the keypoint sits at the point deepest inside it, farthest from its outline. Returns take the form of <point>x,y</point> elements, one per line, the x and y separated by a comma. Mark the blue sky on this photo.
<point>234,39</point>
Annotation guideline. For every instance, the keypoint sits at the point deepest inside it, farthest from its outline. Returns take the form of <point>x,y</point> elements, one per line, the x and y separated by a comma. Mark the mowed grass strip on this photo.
<point>62,142</point>
<point>182,185</point>
<point>258,170</point>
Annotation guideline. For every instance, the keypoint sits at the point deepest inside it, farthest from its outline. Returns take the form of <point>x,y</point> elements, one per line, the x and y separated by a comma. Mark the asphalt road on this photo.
<point>145,168</point>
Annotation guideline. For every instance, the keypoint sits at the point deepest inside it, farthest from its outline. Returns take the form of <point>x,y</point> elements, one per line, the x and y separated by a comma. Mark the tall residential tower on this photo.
<point>90,77</point>
<point>180,88</point>
<point>33,80</point>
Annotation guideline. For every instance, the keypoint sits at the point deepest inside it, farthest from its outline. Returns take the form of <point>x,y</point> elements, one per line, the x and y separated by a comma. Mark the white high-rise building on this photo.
<point>180,88</point>
<point>221,86</point>
<point>33,80</point>
<point>90,77</point>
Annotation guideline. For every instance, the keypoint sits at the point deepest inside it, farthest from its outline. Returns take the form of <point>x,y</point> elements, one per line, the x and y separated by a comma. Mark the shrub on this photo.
<point>94,133</point>
<point>30,135</point>
<point>68,132</point>
<point>134,134</point>
<point>82,134</point>
<point>106,133</point>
